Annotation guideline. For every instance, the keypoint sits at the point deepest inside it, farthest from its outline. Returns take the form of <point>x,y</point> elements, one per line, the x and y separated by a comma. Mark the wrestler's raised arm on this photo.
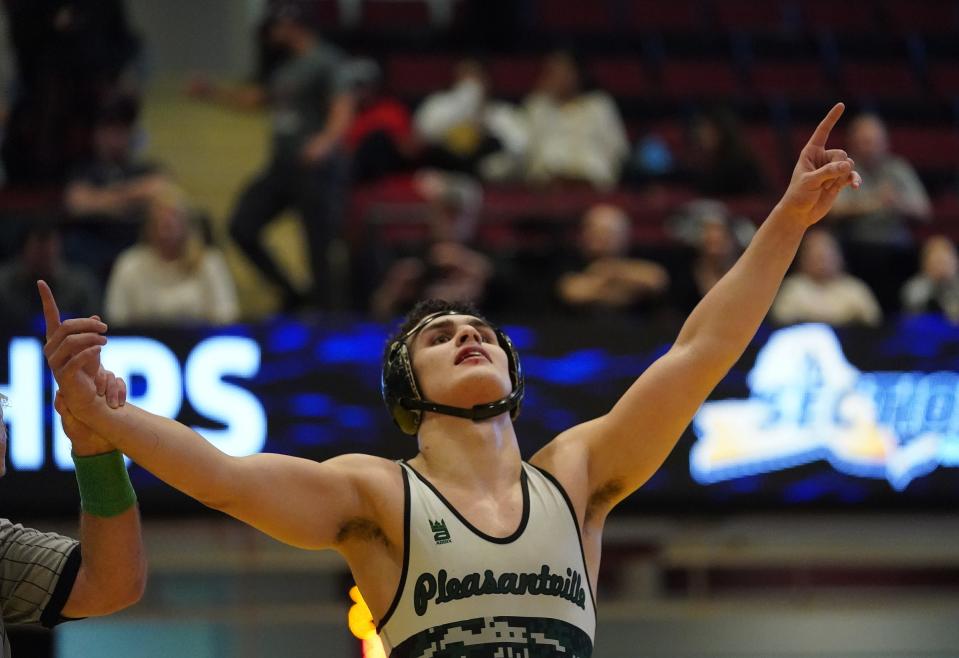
<point>297,501</point>
<point>622,449</point>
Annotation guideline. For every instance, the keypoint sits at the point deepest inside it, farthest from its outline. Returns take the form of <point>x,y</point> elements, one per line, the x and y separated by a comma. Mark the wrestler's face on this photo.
<point>458,361</point>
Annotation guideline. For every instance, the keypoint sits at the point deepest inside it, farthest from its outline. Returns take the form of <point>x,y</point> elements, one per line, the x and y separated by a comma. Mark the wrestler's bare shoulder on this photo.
<point>370,474</point>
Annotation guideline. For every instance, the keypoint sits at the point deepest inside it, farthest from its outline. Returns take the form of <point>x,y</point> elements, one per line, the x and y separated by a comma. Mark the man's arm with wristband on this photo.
<point>112,572</point>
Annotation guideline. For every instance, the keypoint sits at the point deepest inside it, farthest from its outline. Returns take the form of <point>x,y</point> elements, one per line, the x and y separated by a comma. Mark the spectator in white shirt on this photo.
<point>464,130</point>
<point>171,277</point>
<point>576,133</point>
<point>821,291</point>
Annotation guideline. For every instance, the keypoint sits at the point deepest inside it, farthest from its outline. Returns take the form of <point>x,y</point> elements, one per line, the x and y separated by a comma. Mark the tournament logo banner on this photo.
<point>807,403</point>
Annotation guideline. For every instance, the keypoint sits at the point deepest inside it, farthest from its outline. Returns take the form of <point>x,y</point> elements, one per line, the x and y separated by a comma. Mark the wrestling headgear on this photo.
<point>402,395</point>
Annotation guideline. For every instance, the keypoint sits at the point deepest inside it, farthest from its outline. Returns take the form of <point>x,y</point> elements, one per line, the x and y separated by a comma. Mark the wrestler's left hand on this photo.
<point>819,175</point>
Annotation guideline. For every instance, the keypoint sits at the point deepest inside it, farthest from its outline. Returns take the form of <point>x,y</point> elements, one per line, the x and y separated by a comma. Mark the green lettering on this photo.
<point>471,585</point>
<point>489,583</point>
<point>424,590</point>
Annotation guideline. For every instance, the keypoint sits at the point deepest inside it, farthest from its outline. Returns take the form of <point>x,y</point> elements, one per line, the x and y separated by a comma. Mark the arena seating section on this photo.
<point>778,63</point>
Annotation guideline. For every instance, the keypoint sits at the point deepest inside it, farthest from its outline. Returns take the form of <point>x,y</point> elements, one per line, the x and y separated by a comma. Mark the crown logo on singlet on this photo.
<point>441,535</point>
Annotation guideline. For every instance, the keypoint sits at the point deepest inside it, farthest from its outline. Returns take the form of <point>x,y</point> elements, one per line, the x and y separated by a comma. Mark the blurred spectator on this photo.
<point>113,184</point>
<point>465,130</point>
<point>717,240</point>
<point>720,162</point>
<point>446,267</point>
<point>71,56</point>
<point>576,132</point>
<point>606,277</point>
<point>106,196</point>
<point>821,291</point>
<point>935,289</point>
<point>312,105</point>
<point>380,138</point>
<point>41,257</point>
<point>891,193</point>
<point>172,276</point>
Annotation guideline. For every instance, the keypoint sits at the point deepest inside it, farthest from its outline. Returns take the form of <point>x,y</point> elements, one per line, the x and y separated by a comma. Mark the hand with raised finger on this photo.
<point>819,175</point>
<point>73,354</point>
<point>83,440</point>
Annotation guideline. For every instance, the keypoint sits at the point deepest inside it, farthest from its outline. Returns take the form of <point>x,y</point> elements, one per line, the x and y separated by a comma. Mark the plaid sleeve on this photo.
<point>37,571</point>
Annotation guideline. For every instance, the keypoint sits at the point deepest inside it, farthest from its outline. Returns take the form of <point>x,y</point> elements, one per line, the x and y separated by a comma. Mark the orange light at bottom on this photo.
<point>362,626</point>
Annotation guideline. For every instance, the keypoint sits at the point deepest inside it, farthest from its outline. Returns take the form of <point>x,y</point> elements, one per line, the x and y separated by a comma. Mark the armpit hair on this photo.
<point>600,499</point>
<point>362,530</point>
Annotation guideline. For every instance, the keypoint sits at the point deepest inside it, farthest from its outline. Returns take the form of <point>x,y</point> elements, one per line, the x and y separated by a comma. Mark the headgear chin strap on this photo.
<point>402,395</point>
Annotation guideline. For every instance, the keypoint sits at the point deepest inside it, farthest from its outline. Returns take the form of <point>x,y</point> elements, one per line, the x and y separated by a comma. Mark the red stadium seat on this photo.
<point>418,75</point>
<point>622,77</point>
<point>750,15</point>
<point>395,15</point>
<point>871,79</point>
<point>670,16</point>
<point>850,16</point>
<point>765,143</point>
<point>791,79</point>
<point>926,147</point>
<point>706,78</point>
<point>573,16</point>
<point>514,76</point>
<point>922,16</point>
<point>944,78</point>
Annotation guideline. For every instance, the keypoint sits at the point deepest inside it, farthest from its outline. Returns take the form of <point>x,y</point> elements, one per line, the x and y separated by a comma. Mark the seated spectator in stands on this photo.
<point>106,197</point>
<point>606,277</point>
<point>40,257</point>
<point>172,276</point>
<point>575,131</point>
<point>891,193</point>
<point>935,289</point>
<point>380,138</point>
<point>464,130</point>
<point>447,267</point>
<point>717,241</point>
<point>720,162</point>
<point>821,291</point>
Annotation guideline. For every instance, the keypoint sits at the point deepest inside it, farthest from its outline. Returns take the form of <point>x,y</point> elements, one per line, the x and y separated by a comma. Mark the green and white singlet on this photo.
<point>465,594</point>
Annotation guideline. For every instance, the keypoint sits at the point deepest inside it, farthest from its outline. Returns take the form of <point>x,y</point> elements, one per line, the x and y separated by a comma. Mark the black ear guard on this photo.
<point>402,395</point>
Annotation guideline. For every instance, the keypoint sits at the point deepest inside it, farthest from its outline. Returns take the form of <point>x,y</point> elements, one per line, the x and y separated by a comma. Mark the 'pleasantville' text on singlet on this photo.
<point>466,594</point>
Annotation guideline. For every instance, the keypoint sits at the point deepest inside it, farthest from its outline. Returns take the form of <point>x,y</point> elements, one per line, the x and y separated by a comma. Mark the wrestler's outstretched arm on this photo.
<point>622,449</point>
<point>297,501</point>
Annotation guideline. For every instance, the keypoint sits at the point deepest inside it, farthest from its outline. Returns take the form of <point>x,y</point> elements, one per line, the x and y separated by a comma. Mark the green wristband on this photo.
<point>105,488</point>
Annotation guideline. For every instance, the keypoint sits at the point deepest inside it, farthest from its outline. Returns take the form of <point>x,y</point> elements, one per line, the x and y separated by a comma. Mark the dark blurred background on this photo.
<point>277,182</point>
